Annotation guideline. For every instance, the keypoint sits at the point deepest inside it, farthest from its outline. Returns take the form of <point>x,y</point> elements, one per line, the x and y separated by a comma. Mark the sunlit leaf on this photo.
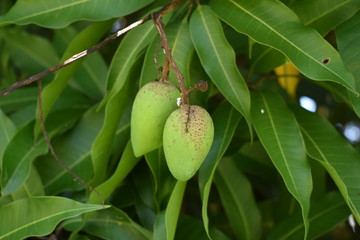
<point>280,135</point>
<point>42,215</point>
<point>338,157</point>
<point>323,15</point>
<point>46,12</point>
<point>304,47</point>
<point>218,59</point>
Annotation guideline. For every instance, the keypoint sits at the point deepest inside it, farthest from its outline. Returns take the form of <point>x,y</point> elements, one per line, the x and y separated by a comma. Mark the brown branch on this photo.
<point>52,151</point>
<point>84,53</point>
<point>160,27</point>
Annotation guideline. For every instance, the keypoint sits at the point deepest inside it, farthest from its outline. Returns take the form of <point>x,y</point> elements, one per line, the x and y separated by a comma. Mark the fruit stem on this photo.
<point>184,92</point>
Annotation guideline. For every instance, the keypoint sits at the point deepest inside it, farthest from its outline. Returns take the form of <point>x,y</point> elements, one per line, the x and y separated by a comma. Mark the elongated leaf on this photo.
<point>304,47</point>
<point>238,200</point>
<point>218,59</point>
<point>101,148</point>
<point>83,40</point>
<point>338,157</point>
<point>91,77</point>
<point>224,131</point>
<point>23,149</point>
<point>280,135</point>
<point>40,56</point>
<point>18,99</point>
<point>126,54</point>
<point>324,215</point>
<point>42,215</point>
<point>32,187</point>
<point>161,174</point>
<point>74,150</point>
<point>323,15</point>
<point>173,209</point>
<point>113,223</point>
<point>18,157</point>
<point>347,36</point>
<point>7,131</point>
<point>45,12</point>
<point>126,164</point>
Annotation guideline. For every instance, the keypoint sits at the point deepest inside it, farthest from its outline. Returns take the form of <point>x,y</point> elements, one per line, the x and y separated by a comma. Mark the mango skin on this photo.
<point>152,105</point>
<point>187,140</point>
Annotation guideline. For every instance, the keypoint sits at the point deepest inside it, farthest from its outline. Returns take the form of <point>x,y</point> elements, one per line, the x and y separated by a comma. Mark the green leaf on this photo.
<point>7,131</point>
<point>17,159</point>
<point>18,99</point>
<point>23,149</point>
<point>224,131</point>
<point>280,135</point>
<point>325,214</point>
<point>338,157</point>
<point>53,90</point>
<point>258,21</point>
<point>42,215</point>
<point>218,59</point>
<point>113,223</point>
<point>238,200</point>
<point>40,56</point>
<point>324,15</point>
<point>173,209</point>
<point>114,110</point>
<point>126,55</point>
<point>32,187</point>
<point>126,164</point>
<point>46,12</point>
<point>90,79</point>
<point>73,149</point>
<point>161,174</point>
<point>347,36</point>
<point>178,36</point>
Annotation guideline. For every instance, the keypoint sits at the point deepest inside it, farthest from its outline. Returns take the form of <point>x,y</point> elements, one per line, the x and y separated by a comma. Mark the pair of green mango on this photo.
<point>186,132</point>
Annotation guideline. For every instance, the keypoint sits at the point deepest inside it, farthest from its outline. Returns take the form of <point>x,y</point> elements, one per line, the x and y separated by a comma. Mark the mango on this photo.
<point>188,136</point>
<point>152,105</point>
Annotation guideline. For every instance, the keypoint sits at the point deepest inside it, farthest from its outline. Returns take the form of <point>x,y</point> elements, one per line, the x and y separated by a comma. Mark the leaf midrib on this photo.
<point>47,218</point>
<point>284,38</point>
<point>218,57</point>
<point>61,7</point>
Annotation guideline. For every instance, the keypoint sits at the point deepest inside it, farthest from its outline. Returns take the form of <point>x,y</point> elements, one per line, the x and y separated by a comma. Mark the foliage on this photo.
<point>274,171</point>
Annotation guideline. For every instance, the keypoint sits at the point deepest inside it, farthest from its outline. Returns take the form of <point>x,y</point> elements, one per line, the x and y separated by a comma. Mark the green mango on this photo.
<point>188,136</point>
<point>152,105</point>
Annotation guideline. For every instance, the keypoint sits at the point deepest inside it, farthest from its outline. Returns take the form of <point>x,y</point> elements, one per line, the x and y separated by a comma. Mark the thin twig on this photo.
<point>84,53</point>
<point>52,151</point>
<point>160,27</point>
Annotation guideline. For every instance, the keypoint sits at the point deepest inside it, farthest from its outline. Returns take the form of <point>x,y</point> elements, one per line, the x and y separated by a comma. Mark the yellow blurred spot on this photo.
<point>288,78</point>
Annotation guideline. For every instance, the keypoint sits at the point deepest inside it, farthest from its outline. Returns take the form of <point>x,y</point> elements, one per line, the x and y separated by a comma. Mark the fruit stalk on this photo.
<point>184,92</point>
